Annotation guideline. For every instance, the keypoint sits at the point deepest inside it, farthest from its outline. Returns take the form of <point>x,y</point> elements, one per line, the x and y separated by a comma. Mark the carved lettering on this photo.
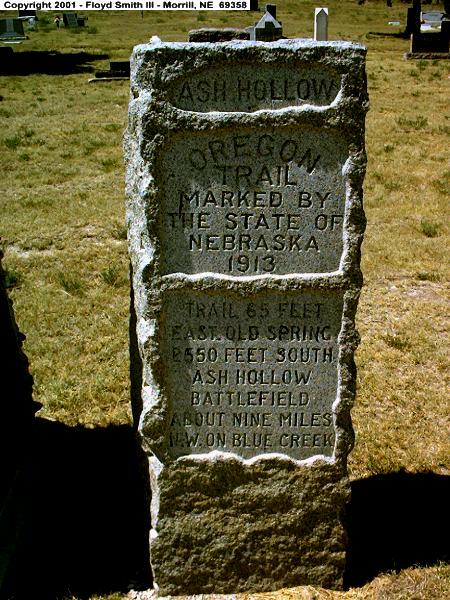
<point>275,86</point>
<point>254,204</point>
<point>250,375</point>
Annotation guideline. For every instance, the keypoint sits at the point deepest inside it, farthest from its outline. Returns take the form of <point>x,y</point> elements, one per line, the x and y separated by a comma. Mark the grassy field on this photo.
<point>62,231</point>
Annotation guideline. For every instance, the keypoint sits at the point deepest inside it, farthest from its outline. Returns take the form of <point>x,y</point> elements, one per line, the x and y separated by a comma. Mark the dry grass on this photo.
<point>410,584</point>
<point>62,232</point>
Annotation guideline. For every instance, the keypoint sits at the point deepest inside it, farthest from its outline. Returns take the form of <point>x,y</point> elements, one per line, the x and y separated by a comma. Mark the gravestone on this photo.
<point>70,20</point>
<point>413,19</point>
<point>268,29</point>
<point>26,14</point>
<point>118,69</point>
<point>11,29</point>
<point>429,43</point>
<point>245,164</point>
<point>121,67</point>
<point>272,10</point>
<point>321,24</point>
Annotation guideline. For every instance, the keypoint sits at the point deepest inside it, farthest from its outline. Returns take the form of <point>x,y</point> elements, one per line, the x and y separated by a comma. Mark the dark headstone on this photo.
<point>28,13</point>
<point>429,42</point>
<point>268,29</point>
<point>70,19</point>
<point>413,21</point>
<point>218,35</point>
<point>120,66</point>
<point>272,10</point>
<point>118,69</point>
<point>11,29</point>
<point>445,30</point>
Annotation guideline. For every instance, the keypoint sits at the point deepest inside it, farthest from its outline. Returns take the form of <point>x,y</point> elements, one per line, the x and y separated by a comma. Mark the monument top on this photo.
<point>222,65</point>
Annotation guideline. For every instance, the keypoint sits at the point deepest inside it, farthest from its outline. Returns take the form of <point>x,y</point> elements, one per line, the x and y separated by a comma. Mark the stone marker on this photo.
<point>118,70</point>
<point>70,20</point>
<point>245,164</point>
<point>26,14</point>
<point>445,30</point>
<point>321,24</point>
<point>272,10</point>
<point>413,19</point>
<point>11,29</point>
<point>267,29</point>
<point>429,42</point>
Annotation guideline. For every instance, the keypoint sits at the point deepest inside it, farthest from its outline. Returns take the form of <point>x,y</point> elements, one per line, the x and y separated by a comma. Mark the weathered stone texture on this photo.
<point>227,526</point>
<point>245,164</point>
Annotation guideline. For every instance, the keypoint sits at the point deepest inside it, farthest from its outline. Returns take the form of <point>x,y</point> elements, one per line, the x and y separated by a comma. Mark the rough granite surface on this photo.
<point>227,517</point>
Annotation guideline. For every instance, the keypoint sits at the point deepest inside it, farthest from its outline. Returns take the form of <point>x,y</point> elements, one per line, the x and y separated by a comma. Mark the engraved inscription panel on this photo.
<point>253,202</point>
<point>254,375</point>
<point>241,88</point>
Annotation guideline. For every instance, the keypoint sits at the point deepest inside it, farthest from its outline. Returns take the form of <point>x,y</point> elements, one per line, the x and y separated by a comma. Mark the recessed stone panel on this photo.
<point>252,376</point>
<point>239,88</point>
<point>253,202</point>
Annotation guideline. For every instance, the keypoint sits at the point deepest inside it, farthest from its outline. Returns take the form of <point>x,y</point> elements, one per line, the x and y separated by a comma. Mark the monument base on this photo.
<point>226,526</point>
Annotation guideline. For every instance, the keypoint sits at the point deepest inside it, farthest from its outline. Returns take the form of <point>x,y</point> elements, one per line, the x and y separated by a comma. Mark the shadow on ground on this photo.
<point>88,519</point>
<point>46,62</point>
<point>396,521</point>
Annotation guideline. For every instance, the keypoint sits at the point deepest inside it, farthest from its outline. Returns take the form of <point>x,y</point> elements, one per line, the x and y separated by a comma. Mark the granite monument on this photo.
<point>245,164</point>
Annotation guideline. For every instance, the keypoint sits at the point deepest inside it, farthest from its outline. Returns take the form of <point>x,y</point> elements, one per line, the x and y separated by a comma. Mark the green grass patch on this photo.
<point>430,229</point>
<point>13,142</point>
<point>70,284</point>
<point>12,277</point>
<point>397,341</point>
<point>419,122</point>
<point>426,276</point>
<point>111,276</point>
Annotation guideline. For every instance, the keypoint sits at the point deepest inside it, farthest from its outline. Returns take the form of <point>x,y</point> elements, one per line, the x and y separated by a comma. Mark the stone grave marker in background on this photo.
<point>70,20</point>
<point>430,43</point>
<point>267,29</point>
<point>11,29</point>
<point>245,164</point>
<point>413,19</point>
<point>321,24</point>
<point>26,14</point>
